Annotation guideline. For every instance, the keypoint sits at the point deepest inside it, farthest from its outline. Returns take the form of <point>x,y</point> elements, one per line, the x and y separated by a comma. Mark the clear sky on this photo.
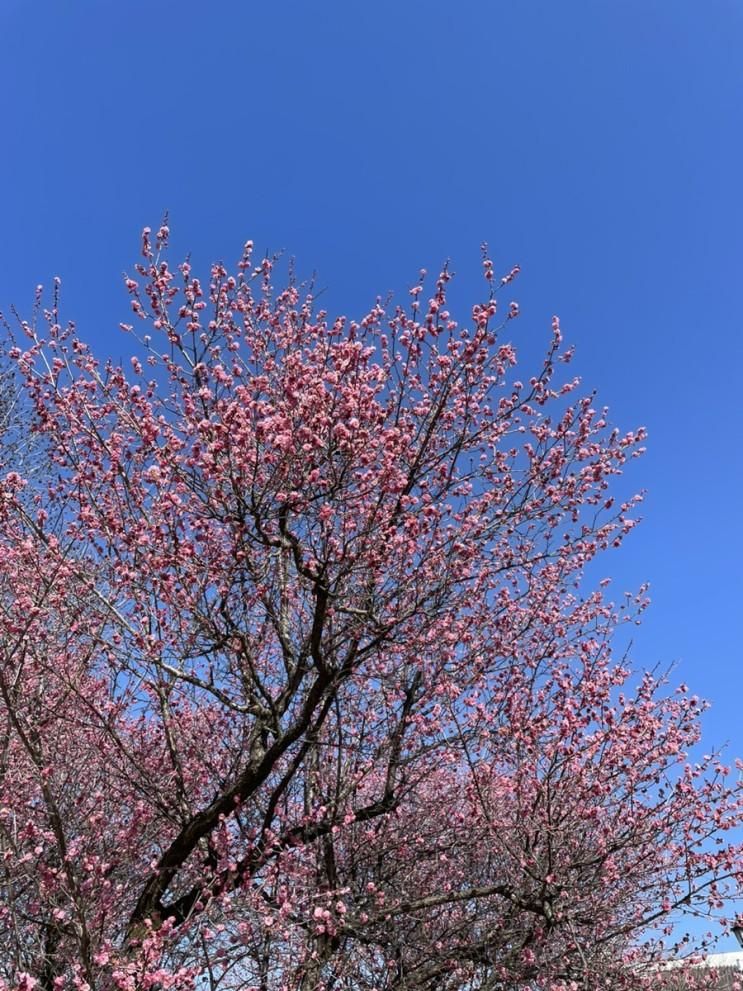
<point>597,143</point>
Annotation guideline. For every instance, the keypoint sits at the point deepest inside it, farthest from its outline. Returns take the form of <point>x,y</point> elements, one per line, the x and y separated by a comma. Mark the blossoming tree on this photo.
<point>301,685</point>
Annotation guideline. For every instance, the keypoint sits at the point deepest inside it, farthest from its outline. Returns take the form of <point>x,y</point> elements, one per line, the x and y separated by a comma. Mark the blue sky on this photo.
<point>599,144</point>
